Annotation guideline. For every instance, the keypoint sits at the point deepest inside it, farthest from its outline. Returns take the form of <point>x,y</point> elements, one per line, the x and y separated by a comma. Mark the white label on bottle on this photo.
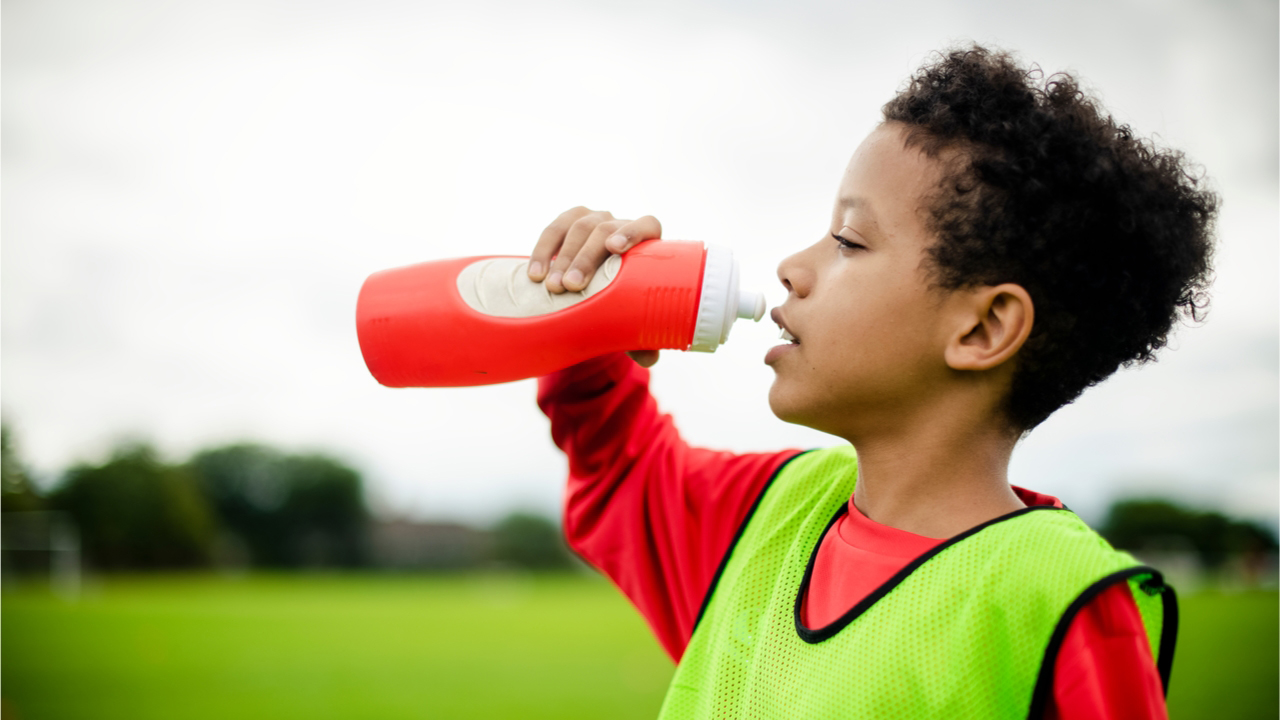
<point>501,287</point>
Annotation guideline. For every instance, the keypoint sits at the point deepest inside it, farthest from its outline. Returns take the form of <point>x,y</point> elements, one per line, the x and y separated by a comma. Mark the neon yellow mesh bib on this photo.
<point>970,630</point>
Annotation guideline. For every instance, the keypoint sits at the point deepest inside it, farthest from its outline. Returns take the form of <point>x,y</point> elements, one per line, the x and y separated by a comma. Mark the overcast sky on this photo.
<point>194,192</point>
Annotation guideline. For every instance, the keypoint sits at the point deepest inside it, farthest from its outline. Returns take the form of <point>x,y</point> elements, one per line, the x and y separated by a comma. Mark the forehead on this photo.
<point>887,179</point>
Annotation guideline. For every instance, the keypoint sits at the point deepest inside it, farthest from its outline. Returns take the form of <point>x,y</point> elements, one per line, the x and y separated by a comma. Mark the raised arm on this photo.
<point>652,513</point>
<point>655,515</point>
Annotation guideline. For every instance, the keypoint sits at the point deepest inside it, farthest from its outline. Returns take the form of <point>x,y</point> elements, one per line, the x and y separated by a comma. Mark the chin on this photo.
<point>785,406</point>
<point>790,407</point>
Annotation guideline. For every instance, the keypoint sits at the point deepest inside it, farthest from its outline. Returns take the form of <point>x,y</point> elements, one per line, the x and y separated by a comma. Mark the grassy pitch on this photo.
<point>1227,663</point>
<point>387,647</point>
<point>357,646</point>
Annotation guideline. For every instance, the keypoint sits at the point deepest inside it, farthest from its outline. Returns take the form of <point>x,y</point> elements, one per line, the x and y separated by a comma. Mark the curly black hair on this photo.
<point>1111,236</point>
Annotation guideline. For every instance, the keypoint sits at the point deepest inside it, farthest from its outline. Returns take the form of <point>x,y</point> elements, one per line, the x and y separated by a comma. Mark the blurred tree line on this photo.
<point>1154,525</point>
<point>241,505</point>
<point>254,506</point>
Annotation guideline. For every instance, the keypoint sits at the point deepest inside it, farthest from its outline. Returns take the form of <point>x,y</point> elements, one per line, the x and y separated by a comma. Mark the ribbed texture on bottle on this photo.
<point>667,312</point>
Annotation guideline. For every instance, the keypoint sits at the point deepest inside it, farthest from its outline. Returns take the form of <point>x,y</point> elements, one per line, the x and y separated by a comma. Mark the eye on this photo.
<point>848,244</point>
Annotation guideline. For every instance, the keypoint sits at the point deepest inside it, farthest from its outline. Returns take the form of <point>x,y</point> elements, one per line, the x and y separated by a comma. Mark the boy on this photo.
<point>997,245</point>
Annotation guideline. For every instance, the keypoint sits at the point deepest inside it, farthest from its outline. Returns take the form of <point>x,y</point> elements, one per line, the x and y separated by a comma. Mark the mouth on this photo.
<point>776,316</point>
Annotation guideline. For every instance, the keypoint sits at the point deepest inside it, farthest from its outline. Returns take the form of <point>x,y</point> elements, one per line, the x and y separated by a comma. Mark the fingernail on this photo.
<point>616,243</point>
<point>573,277</point>
<point>535,268</point>
<point>554,278</point>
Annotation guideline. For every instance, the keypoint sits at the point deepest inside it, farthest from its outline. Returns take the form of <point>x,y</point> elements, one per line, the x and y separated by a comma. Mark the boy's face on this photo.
<point>869,327</point>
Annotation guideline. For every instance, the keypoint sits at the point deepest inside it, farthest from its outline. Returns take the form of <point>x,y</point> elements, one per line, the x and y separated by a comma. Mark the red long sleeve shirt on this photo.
<point>658,516</point>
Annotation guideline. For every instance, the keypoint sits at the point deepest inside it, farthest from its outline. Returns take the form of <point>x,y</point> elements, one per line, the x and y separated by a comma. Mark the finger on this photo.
<point>574,239</point>
<point>634,233</point>
<point>550,240</point>
<point>644,358</point>
<point>590,256</point>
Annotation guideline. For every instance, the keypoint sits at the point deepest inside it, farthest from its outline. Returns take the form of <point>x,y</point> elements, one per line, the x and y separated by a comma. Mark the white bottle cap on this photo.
<point>721,303</point>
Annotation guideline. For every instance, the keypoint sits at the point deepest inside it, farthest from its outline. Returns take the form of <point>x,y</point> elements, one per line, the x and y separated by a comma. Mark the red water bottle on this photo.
<point>481,320</point>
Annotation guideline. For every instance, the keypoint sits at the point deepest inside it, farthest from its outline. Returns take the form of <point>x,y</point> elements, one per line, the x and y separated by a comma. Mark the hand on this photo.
<point>578,242</point>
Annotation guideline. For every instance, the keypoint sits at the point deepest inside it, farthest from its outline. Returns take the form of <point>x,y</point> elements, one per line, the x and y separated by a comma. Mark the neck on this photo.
<point>936,477</point>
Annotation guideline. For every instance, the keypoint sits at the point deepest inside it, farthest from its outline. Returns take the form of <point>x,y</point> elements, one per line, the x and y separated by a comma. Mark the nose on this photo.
<point>796,274</point>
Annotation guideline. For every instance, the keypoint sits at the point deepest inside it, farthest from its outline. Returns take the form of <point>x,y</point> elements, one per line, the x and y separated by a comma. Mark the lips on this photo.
<point>776,316</point>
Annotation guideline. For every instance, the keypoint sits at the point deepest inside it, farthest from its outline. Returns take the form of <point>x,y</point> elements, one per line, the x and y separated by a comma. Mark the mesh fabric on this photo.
<point>960,635</point>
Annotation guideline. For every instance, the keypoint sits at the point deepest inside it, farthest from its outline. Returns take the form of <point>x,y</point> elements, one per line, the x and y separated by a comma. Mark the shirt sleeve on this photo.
<point>652,513</point>
<point>1105,670</point>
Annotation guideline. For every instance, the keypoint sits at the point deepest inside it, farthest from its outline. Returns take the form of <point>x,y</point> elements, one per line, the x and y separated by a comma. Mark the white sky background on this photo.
<point>194,192</point>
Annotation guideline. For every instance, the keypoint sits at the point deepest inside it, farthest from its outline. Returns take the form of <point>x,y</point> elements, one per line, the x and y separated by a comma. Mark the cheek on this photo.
<point>875,344</point>
<point>851,332</point>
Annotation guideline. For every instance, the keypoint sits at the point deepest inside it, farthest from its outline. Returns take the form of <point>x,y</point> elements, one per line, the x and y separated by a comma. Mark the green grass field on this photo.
<point>331,647</point>
<point>369,646</point>
<point>1227,663</point>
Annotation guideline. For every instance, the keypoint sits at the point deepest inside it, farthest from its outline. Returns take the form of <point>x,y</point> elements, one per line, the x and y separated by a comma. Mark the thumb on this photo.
<point>644,358</point>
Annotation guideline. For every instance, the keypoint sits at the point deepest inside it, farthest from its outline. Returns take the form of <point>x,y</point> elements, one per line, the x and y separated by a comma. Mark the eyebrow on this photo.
<point>857,203</point>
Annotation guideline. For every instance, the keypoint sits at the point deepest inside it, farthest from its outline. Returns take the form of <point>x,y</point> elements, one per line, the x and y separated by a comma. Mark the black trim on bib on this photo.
<point>724,561</point>
<point>1168,631</point>
<point>815,636</point>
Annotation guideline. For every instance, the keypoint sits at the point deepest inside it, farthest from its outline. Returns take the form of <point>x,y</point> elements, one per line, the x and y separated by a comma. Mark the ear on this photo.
<point>993,323</point>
